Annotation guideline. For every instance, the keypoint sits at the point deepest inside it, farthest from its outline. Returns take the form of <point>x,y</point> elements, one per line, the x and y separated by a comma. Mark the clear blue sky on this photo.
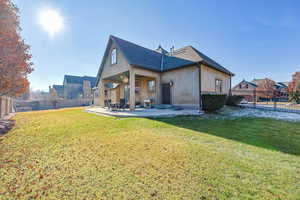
<point>253,39</point>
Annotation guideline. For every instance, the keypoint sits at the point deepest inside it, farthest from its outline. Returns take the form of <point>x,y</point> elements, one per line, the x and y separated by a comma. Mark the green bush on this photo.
<point>294,97</point>
<point>234,100</point>
<point>213,102</point>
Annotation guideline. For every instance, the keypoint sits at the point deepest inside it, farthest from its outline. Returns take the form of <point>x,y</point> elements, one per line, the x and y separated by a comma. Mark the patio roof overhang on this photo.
<point>119,78</point>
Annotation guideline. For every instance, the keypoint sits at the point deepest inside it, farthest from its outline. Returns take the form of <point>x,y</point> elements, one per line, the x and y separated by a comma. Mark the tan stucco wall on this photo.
<point>208,78</point>
<point>110,70</point>
<point>185,89</point>
<point>144,93</point>
<point>119,67</point>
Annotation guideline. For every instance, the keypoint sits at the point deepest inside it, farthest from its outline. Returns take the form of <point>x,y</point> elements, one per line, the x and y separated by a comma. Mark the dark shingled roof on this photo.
<point>146,58</point>
<point>80,79</point>
<point>283,84</point>
<point>250,83</point>
<point>58,88</point>
<point>142,57</point>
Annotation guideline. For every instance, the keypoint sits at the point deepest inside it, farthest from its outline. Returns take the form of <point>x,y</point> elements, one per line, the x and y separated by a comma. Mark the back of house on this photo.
<point>140,74</point>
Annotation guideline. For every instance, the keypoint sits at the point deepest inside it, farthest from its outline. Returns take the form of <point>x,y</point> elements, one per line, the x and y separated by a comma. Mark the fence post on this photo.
<point>254,97</point>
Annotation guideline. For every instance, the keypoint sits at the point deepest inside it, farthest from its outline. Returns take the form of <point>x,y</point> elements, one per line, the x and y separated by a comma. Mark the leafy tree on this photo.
<point>15,58</point>
<point>294,92</point>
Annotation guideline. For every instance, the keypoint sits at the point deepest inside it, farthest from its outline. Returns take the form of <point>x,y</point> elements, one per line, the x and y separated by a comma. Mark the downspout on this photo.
<point>200,89</point>
<point>230,92</point>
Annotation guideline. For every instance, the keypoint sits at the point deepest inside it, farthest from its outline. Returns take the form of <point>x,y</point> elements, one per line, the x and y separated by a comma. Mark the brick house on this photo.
<point>261,89</point>
<point>134,74</point>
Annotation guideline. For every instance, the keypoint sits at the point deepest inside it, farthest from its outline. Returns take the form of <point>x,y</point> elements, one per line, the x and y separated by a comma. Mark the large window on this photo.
<point>113,58</point>
<point>151,86</point>
<point>218,86</point>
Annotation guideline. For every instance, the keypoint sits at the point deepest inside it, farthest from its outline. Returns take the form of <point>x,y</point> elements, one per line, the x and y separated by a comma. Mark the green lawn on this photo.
<point>71,154</point>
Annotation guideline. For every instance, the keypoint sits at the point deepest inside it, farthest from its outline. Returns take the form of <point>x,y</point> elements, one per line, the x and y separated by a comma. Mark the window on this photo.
<point>218,86</point>
<point>137,85</point>
<point>113,58</point>
<point>151,86</point>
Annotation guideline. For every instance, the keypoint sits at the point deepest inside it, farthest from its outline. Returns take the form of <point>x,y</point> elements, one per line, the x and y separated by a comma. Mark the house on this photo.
<point>56,91</point>
<point>282,89</point>
<point>75,87</point>
<point>136,74</point>
<point>261,90</point>
<point>246,89</point>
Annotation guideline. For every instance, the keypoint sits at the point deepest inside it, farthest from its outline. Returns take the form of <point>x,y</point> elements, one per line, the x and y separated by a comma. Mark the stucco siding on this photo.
<point>113,69</point>
<point>208,80</point>
<point>185,89</point>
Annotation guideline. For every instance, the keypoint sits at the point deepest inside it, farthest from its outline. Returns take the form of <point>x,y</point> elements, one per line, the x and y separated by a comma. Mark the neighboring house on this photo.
<point>246,89</point>
<point>132,73</point>
<point>261,89</point>
<point>282,90</point>
<point>56,91</point>
<point>78,86</point>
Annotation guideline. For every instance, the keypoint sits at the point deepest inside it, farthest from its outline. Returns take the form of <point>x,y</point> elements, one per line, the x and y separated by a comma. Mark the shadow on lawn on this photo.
<point>266,133</point>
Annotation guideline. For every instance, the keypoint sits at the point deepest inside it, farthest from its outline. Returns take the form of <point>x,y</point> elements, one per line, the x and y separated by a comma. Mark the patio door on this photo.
<point>166,93</point>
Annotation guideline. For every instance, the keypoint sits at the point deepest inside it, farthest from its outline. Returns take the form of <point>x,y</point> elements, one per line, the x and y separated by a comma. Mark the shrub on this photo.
<point>294,97</point>
<point>213,102</point>
<point>234,100</point>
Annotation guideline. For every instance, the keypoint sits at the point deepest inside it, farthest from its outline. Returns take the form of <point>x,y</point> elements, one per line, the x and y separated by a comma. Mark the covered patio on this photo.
<point>130,89</point>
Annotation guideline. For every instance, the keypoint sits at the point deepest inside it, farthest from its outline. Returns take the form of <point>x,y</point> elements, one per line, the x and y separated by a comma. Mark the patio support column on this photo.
<point>101,93</point>
<point>158,91</point>
<point>132,89</point>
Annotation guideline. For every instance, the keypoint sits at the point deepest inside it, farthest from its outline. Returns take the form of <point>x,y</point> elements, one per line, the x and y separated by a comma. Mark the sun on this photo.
<point>51,21</point>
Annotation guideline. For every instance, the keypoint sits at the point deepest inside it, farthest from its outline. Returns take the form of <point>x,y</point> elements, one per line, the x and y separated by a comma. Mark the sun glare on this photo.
<point>51,21</point>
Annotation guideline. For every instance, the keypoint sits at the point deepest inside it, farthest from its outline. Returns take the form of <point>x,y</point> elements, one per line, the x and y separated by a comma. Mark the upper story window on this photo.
<point>218,86</point>
<point>113,59</point>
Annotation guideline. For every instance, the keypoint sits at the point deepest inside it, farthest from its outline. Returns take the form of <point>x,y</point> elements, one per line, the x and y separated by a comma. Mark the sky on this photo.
<point>253,39</point>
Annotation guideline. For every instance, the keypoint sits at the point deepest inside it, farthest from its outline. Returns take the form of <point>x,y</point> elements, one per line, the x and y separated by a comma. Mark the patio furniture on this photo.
<point>147,103</point>
<point>122,104</point>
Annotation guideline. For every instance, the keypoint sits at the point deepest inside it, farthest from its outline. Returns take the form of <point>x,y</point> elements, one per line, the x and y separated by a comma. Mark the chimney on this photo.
<point>172,50</point>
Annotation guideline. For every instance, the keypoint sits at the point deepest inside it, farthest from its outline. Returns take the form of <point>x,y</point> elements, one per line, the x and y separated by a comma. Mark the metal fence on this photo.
<point>273,102</point>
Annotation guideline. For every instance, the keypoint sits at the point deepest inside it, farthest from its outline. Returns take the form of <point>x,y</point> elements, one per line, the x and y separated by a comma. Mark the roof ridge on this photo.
<point>181,48</point>
<point>112,36</point>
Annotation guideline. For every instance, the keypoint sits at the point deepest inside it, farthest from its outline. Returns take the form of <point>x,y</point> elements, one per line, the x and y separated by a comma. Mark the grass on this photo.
<point>70,154</point>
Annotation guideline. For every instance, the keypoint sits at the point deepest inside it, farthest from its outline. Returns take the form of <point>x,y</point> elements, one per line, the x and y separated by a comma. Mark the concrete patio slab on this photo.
<point>142,112</point>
